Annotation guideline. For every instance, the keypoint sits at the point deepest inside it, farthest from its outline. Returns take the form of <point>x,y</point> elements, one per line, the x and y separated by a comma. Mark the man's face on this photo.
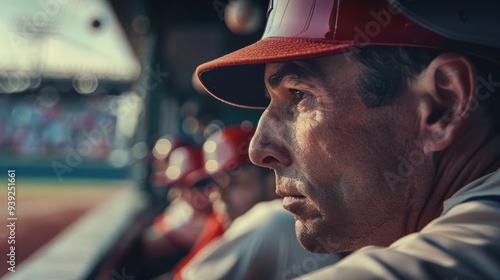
<point>331,155</point>
<point>197,197</point>
<point>238,191</point>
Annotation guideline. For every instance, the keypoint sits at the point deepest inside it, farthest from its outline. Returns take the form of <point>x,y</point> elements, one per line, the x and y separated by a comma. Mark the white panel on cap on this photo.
<point>299,18</point>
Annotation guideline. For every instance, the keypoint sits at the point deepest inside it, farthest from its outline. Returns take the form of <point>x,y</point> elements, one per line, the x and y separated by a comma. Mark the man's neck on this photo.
<point>474,154</point>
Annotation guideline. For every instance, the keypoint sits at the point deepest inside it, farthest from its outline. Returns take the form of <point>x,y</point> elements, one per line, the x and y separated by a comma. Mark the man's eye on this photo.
<point>298,95</point>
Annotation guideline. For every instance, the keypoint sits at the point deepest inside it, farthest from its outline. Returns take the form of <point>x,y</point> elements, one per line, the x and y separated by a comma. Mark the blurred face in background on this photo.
<point>198,195</point>
<point>240,189</point>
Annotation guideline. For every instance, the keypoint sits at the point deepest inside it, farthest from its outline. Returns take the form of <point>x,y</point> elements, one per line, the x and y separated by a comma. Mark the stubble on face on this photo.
<point>340,151</point>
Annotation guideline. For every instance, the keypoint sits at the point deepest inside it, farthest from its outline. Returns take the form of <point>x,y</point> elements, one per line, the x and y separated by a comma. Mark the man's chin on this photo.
<point>321,242</point>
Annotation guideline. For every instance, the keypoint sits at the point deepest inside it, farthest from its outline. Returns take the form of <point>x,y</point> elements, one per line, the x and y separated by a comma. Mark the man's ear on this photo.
<point>447,89</point>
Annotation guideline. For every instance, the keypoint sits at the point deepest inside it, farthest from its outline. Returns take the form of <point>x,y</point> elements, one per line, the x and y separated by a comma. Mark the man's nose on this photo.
<point>268,148</point>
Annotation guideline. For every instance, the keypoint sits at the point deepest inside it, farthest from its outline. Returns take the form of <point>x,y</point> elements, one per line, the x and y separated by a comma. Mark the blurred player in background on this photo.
<point>236,183</point>
<point>255,244</point>
<point>176,230</point>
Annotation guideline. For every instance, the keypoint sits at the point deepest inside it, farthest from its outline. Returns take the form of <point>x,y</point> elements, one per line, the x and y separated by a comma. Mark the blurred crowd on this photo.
<point>45,125</point>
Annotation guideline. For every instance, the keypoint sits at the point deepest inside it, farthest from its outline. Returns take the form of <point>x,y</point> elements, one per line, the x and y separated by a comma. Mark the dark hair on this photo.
<point>387,70</point>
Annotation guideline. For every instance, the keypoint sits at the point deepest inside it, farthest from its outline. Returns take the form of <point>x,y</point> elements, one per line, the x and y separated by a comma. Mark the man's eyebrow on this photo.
<point>287,69</point>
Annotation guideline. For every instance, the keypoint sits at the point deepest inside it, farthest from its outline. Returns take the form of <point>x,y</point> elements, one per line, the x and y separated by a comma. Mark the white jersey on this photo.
<point>261,244</point>
<point>463,243</point>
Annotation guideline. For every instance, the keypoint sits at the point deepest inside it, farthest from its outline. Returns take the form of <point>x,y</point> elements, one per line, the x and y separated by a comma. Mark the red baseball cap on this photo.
<point>224,150</point>
<point>301,29</point>
<point>182,161</point>
<point>227,149</point>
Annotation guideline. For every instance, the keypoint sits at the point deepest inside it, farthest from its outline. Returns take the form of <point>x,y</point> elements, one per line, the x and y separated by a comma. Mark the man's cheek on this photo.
<point>311,119</point>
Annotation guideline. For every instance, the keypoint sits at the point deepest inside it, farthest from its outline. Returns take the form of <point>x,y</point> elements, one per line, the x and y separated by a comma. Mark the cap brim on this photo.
<point>238,78</point>
<point>196,176</point>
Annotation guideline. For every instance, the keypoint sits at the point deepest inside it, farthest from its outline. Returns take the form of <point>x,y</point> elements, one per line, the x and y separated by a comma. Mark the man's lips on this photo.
<point>294,204</point>
<point>293,201</point>
<point>287,192</point>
